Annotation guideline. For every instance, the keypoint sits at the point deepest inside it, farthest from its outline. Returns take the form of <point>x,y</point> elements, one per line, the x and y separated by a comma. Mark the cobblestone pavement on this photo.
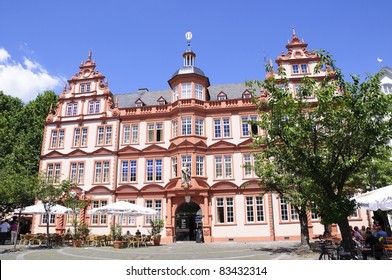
<point>284,250</point>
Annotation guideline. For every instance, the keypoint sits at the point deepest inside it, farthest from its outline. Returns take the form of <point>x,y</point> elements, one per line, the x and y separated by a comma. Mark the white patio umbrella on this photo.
<point>40,209</point>
<point>122,208</point>
<point>378,199</point>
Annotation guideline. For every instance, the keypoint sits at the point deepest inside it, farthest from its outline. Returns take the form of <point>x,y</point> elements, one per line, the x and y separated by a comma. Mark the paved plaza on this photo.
<point>285,250</point>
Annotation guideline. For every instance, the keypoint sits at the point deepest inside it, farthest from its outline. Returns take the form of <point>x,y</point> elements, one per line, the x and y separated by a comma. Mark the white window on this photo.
<point>131,133</point>
<point>154,170</point>
<point>53,172</point>
<point>156,205</point>
<point>175,94</point>
<point>304,68</point>
<point>45,219</point>
<point>186,161</point>
<point>98,219</point>
<point>199,165</point>
<point>77,172</point>
<point>287,211</point>
<point>223,167</point>
<point>57,138</point>
<point>254,209</point>
<point>248,163</point>
<point>128,170</point>
<point>186,90</point>
<point>80,137</point>
<point>128,220</point>
<point>222,128</point>
<point>104,135</point>
<point>93,107</point>
<point>85,87</point>
<point>199,92</point>
<point>224,210</point>
<point>174,167</point>
<point>101,172</point>
<point>199,126</point>
<point>155,132</point>
<point>72,109</point>
<point>295,69</point>
<point>284,212</point>
<point>387,88</point>
<point>174,128</point>
<point>186,127</point>
<point>245,125</point>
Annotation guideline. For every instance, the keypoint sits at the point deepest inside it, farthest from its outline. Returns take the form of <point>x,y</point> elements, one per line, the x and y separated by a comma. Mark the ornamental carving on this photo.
<point>206,232</point>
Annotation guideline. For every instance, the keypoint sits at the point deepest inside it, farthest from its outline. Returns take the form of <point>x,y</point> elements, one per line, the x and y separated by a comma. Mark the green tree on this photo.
<point>327,142</point>
<point>50,192</point>
<point>274,178</point>
<point>77,203</point>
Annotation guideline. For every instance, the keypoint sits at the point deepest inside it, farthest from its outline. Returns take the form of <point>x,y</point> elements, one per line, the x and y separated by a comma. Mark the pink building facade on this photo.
<point>180,151</point>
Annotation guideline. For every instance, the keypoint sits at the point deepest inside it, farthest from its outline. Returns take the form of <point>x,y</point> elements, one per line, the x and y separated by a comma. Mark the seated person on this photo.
<point>138,233</point>
<point>374,245</point>
<point>128,234</point>
<point>380,232</point>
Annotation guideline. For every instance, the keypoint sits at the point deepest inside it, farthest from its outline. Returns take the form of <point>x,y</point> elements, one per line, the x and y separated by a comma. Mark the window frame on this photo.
<point>77,172</point>
<point>259,215</point>
<point>57,141</point>
<point>225,205</point>
<point>103,174</point>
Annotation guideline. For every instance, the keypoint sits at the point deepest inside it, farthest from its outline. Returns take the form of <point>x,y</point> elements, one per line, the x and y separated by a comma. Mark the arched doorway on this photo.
<point>188,220</point>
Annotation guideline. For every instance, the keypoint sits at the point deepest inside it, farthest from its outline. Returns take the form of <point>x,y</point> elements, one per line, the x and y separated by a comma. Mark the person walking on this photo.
<point>14,231</point>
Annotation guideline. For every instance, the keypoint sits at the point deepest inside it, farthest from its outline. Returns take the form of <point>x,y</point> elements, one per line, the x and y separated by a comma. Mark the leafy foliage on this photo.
<point>21,130</point>
<point>321,145</point>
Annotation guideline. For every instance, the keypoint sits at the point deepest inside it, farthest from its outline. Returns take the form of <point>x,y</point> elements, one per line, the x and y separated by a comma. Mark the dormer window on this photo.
<point>139,103</point>
<point>222,96</point>
<point>387,88</point>
<point>161,101</point>
<point>246,94</point>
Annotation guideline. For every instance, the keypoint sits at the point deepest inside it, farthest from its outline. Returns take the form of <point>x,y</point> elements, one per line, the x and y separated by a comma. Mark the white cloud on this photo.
<point>25,80</point>
<point>4,55</point>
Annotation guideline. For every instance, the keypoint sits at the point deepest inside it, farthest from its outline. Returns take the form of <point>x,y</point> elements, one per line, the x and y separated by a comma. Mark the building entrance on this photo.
<point>188,221</point>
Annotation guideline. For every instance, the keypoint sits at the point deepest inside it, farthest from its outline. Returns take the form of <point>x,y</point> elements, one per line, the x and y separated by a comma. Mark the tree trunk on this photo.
<point>303,220</point>
<point>347,239</point>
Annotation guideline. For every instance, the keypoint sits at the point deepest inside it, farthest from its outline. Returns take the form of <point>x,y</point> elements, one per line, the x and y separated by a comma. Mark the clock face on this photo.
<point>188,35</point>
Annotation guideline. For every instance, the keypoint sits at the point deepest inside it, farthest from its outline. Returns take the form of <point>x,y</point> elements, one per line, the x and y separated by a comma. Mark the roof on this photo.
<point>150,98</point>
<point>189,70</point>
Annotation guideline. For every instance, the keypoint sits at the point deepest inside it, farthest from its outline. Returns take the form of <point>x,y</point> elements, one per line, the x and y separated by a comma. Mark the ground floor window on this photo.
<point>44,219</point>
<point>99,219</point>
<point>155,204</point>
<point>254,209</point>
<point>224,210</point>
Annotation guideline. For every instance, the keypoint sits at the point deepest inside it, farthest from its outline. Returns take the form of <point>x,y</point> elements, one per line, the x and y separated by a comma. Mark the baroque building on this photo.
<point>180,151</point>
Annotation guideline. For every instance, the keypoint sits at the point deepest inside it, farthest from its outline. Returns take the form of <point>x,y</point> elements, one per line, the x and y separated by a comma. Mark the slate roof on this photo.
<point>150,98</point>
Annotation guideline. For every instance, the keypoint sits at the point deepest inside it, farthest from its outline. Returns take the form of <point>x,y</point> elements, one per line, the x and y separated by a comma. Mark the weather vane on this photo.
<point>188,37</point>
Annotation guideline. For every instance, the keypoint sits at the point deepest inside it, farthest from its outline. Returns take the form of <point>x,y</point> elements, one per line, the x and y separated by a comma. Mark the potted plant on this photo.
<point>156,229</point>
<point>117,235</point>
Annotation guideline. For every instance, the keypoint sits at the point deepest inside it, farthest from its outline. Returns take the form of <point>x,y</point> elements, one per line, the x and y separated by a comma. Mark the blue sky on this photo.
<point>139,44</point>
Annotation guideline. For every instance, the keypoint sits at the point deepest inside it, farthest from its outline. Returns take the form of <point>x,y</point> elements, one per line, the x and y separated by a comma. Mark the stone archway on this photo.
<point>187,221</point>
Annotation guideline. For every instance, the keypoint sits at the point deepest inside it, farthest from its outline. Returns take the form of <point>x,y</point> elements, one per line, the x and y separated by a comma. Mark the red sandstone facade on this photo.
<point>135,146</point>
